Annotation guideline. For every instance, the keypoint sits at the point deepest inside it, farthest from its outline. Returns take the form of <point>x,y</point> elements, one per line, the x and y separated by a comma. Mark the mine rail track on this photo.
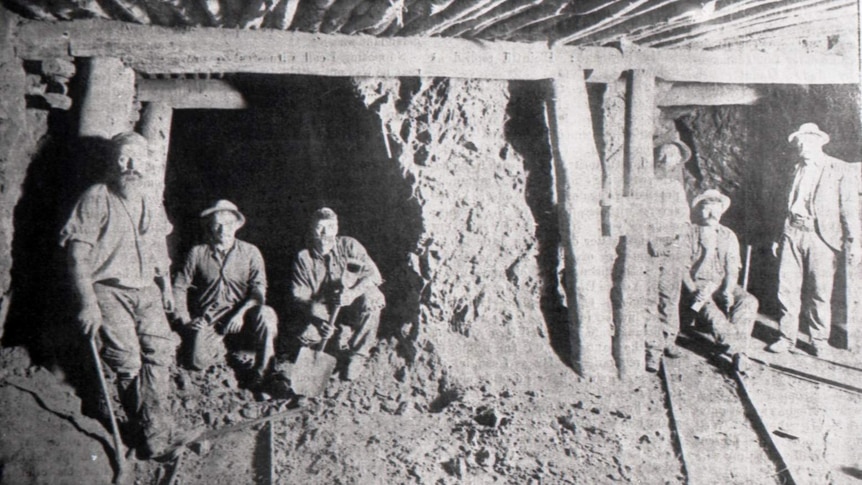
<point>770,434</point>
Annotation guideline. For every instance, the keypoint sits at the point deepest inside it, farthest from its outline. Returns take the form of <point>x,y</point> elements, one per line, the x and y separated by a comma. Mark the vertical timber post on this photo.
<point>108,104</point>
<point>578,175</point>
<point>155,124</point>
<point>636,288</point>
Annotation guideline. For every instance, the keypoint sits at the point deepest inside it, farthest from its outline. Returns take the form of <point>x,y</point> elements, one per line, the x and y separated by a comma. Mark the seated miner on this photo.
<point>335,272</point>
<point>720,306</point>
<point>227,281</point>
<point>668,229</point>
<point>115,238</point>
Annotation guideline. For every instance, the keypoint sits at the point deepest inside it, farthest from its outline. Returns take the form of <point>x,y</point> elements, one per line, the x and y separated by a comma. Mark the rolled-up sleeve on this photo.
<point>89,216</point>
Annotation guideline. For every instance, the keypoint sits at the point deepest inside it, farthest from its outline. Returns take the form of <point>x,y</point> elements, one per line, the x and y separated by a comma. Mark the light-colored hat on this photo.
<point>225,205</point>
<point>809,129</point>
<point>712,195</point>
<point>323,214</point>
<point>684,150</point>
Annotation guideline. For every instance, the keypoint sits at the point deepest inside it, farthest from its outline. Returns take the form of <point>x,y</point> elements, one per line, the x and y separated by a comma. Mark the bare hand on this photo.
<point>234,325</point>
<point>168,302</point>
<point>344,298</point>
<point>774,249</point>
<point>326,330</point>
<point>90,319</point>
<point>198,324</point>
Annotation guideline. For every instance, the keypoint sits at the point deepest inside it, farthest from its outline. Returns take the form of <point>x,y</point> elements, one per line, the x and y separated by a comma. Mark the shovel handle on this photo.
<point>332,319</point>
<point>115,430</point>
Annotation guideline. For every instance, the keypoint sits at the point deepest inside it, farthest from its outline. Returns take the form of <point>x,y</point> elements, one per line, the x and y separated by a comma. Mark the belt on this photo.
<point>802,223</point>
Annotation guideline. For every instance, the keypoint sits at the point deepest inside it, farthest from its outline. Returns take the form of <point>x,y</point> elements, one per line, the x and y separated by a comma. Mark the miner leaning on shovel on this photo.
<point>228,282</point>
<point>336,272</point>
<point>117,250</point>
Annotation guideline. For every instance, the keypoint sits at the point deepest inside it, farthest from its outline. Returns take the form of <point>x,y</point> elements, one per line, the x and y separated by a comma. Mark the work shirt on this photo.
<point>804,184</point>
<point>714,256</point>
<point>667,216</point>
<point>315,274</point>
<point>219,281</point>
<point>127,237</point>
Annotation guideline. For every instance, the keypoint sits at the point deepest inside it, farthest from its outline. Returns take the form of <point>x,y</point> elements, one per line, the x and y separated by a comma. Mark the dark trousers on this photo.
<point>260,324</point>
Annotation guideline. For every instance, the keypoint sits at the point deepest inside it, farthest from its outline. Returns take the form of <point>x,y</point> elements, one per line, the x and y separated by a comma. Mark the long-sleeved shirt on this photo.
<point>315,274</point>
<point>127,237</point>
<point>219,282</point>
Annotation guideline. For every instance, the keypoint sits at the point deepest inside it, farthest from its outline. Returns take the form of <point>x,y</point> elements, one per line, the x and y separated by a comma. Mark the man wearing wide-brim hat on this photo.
<point>667,219</point>
<point>227,279</point>
<point>710,285</point>
<point>822,220</point>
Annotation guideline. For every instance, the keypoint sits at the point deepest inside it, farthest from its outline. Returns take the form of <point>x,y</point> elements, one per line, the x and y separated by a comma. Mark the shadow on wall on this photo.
<point>42,314</point>
<point>304,142</point>
<point>527,132</point>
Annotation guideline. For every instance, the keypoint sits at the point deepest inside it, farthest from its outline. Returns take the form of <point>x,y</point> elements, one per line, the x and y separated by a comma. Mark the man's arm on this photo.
<point>89,315</point>
<point>364,278</point>
<point>182,281</point>
<point>256,292</point>
<point>849,210</point>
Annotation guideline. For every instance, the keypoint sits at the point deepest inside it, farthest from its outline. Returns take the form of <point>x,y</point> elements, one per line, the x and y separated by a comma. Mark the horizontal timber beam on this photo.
<point>697,94</point>
<point>162,50</point>
<point>191,93</point>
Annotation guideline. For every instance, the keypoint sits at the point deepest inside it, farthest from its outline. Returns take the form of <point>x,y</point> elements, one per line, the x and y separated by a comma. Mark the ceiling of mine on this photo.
<point>701,24</point>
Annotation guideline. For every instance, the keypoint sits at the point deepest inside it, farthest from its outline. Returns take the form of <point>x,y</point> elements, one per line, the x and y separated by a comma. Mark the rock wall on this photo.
<point>479,300</point>
<point>20,130</point>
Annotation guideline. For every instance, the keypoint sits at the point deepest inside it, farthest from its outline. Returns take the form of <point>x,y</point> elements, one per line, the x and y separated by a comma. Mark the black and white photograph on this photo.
<point>432,242</point>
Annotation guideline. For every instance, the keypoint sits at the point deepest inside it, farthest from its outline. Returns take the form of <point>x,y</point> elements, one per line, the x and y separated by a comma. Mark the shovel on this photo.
<point>120,476</point>
<point>313,368</point>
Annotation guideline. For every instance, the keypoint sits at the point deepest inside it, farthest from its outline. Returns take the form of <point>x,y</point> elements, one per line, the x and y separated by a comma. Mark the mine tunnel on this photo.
<point>498,160</point>
<point>301,143</point>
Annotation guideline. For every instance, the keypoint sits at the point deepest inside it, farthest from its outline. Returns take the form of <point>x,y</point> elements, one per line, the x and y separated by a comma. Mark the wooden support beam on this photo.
<point>636,288</point>
<point>578,176</point>
<point>156,120</point>
<point>159,50</point>
<point>697,94</point>
<point>191,93</point>
<point>640,124</point>
<point>107,106</point>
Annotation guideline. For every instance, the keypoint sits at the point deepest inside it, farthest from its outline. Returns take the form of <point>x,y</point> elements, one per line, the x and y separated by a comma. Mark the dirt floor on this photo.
<point>390,426</point>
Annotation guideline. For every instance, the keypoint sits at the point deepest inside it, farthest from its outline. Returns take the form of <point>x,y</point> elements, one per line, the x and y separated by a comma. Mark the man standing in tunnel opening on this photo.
<point>228,281</point>
<point>336,272</point>
<point>822,221</point>
<point>710,285</point>
<point>115,238</point>
<point>667,232</point>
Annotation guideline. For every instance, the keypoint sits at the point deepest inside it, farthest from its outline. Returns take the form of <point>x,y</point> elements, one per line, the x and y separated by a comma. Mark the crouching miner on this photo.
<point>710,290</point>
<point>115,238</point>
<point>335,272</point>
<point>228,282</point>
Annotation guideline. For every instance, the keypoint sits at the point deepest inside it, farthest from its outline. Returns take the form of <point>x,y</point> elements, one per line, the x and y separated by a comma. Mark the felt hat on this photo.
<point>809,129</point>
<point>712,195</point>
<point>323,214</point>
<point>684,150</point>
<point>224,205</point>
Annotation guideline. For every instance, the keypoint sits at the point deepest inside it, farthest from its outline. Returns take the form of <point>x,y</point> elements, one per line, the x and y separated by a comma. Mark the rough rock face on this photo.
<point>20,129</point>
<point>476,256</point>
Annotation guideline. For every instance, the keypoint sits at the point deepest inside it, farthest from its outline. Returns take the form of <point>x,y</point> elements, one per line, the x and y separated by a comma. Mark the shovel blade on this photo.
<point>311,372</point>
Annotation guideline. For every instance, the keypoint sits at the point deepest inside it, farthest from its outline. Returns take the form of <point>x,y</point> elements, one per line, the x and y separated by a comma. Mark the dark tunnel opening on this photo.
<point>304,142</point>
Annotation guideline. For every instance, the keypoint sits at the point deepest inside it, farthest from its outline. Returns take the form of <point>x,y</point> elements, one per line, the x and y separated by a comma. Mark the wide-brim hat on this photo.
<point>224,205</point>
<point>684,150</point>
<point>712,195</point>
<point>809,129</point>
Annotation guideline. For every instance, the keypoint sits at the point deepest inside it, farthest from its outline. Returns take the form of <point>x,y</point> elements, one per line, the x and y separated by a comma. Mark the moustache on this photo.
<point>131,175</point>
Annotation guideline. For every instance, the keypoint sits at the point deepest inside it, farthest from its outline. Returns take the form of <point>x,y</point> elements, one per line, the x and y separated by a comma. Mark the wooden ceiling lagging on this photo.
<point>700,24</point>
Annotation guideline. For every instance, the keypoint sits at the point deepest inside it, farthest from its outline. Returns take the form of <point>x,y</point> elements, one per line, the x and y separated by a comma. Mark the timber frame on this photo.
<point>117,51</point>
